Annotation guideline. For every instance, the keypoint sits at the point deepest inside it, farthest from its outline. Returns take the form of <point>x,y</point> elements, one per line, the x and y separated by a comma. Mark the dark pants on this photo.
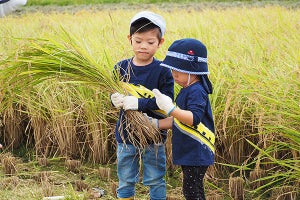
<point>193,176</point>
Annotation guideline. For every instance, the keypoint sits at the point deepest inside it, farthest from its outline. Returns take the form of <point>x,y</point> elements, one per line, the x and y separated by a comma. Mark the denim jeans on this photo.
<point>153,160</point>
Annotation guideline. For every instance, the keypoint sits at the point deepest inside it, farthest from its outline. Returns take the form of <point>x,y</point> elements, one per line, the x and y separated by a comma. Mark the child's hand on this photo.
<point>117,99</point>
<point>164,102</point>
<point>130,103</point>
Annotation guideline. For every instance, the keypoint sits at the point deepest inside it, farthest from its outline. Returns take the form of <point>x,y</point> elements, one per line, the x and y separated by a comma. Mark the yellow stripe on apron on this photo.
<point>202,134</point>
<point>140,91</point>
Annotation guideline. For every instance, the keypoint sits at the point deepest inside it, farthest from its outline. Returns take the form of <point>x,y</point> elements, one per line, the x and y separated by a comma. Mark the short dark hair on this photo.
<point>142,25</point>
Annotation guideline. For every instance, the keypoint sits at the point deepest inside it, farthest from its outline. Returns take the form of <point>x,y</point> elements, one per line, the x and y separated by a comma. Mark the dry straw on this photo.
<point>236,188</point>
<point>47,188</point>
<point>9,183</point>
<point>80,185</point>
<point>9,165</point>
<point>140,130</point>
<point>104,173</point>
<point>73,165</point>
<point>43,161</point>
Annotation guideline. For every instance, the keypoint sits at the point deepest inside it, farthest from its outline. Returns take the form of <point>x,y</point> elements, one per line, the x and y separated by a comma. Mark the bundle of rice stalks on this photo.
<point>65,59</point>
<point>42,176</point>
<point>9,183</point>
<point>73,165</point>
<point>9,165</point>
<point>104,172</point>
<point>43,161</point>
<point>13,129</point>
<point>80,185</point>
<point>236,188</point>
<point>255,178</point>
<point>140,130</point>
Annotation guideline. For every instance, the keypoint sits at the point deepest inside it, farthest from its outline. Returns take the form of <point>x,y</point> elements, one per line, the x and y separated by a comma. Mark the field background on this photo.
<point>58,133</point>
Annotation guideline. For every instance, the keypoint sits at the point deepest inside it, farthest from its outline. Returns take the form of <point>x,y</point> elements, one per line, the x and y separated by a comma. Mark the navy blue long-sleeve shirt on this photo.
<point>150,76</point>
<point>185,149</point>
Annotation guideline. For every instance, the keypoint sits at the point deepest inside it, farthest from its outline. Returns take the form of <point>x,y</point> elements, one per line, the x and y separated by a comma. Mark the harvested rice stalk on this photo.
<point>9,165</point>
<point>104,172</point>
<point>73,165</point>
<point>66,59</point>
<point>236,188</point>
<point>140,130</point>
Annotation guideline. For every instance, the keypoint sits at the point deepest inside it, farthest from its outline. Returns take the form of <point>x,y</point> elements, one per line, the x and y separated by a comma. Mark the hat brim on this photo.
<point>184,66</point>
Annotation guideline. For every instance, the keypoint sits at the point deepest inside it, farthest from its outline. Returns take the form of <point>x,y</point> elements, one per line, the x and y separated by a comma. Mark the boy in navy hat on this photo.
<point>191,119</point>
<point>146,36</point>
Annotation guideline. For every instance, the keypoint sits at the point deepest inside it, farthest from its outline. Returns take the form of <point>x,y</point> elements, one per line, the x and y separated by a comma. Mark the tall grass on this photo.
<point>254,64</point>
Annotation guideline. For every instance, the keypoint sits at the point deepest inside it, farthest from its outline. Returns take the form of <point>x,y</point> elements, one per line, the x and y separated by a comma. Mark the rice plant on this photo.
<point>254,65</point>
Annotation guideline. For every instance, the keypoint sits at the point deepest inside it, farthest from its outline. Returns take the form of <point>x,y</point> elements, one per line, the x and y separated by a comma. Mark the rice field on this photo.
<point>56,120</point>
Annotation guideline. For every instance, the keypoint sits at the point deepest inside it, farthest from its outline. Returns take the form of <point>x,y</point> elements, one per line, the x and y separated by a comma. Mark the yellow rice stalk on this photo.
<point>73,165</point>
<point>80,185</point>
<point>114,186</point>
<point>140,130</point>
<point>43,161</point>
<point>66,60</point>
<point>236,188</point>
<point>104,172</point>
<point>9,165</point>
<point>9,183</point>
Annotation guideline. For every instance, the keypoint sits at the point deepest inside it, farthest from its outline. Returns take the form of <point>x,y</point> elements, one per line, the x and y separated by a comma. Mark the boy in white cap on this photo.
<point>191,119</point>
<point>146,37</point>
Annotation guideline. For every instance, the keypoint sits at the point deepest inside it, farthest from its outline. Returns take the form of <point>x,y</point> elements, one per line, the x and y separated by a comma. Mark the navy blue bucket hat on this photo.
<point>189,56</point>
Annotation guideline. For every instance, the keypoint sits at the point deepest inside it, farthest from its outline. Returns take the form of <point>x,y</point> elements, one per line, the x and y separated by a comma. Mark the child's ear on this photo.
<point>162,40</point>
<point>129,38</point>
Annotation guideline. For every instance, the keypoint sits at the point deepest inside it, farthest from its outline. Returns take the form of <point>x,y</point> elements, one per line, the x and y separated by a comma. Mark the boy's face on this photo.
<point>145,45</point>
<point>183,79</point>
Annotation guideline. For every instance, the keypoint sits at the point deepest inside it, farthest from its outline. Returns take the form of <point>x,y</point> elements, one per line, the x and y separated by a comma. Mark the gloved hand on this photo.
<point>130,103</point>
<point>164,102</point>
<point>117,99</point>
<point>153,121</point>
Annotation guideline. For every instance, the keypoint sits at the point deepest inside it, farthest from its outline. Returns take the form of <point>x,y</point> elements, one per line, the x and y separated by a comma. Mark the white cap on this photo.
<point>153,17</point>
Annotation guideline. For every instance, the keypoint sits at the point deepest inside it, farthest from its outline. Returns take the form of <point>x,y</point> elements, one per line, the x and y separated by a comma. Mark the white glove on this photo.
<point>164,102</point>
<point>153,121</point>
<point>117,99</point>
<point>130,103</point>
